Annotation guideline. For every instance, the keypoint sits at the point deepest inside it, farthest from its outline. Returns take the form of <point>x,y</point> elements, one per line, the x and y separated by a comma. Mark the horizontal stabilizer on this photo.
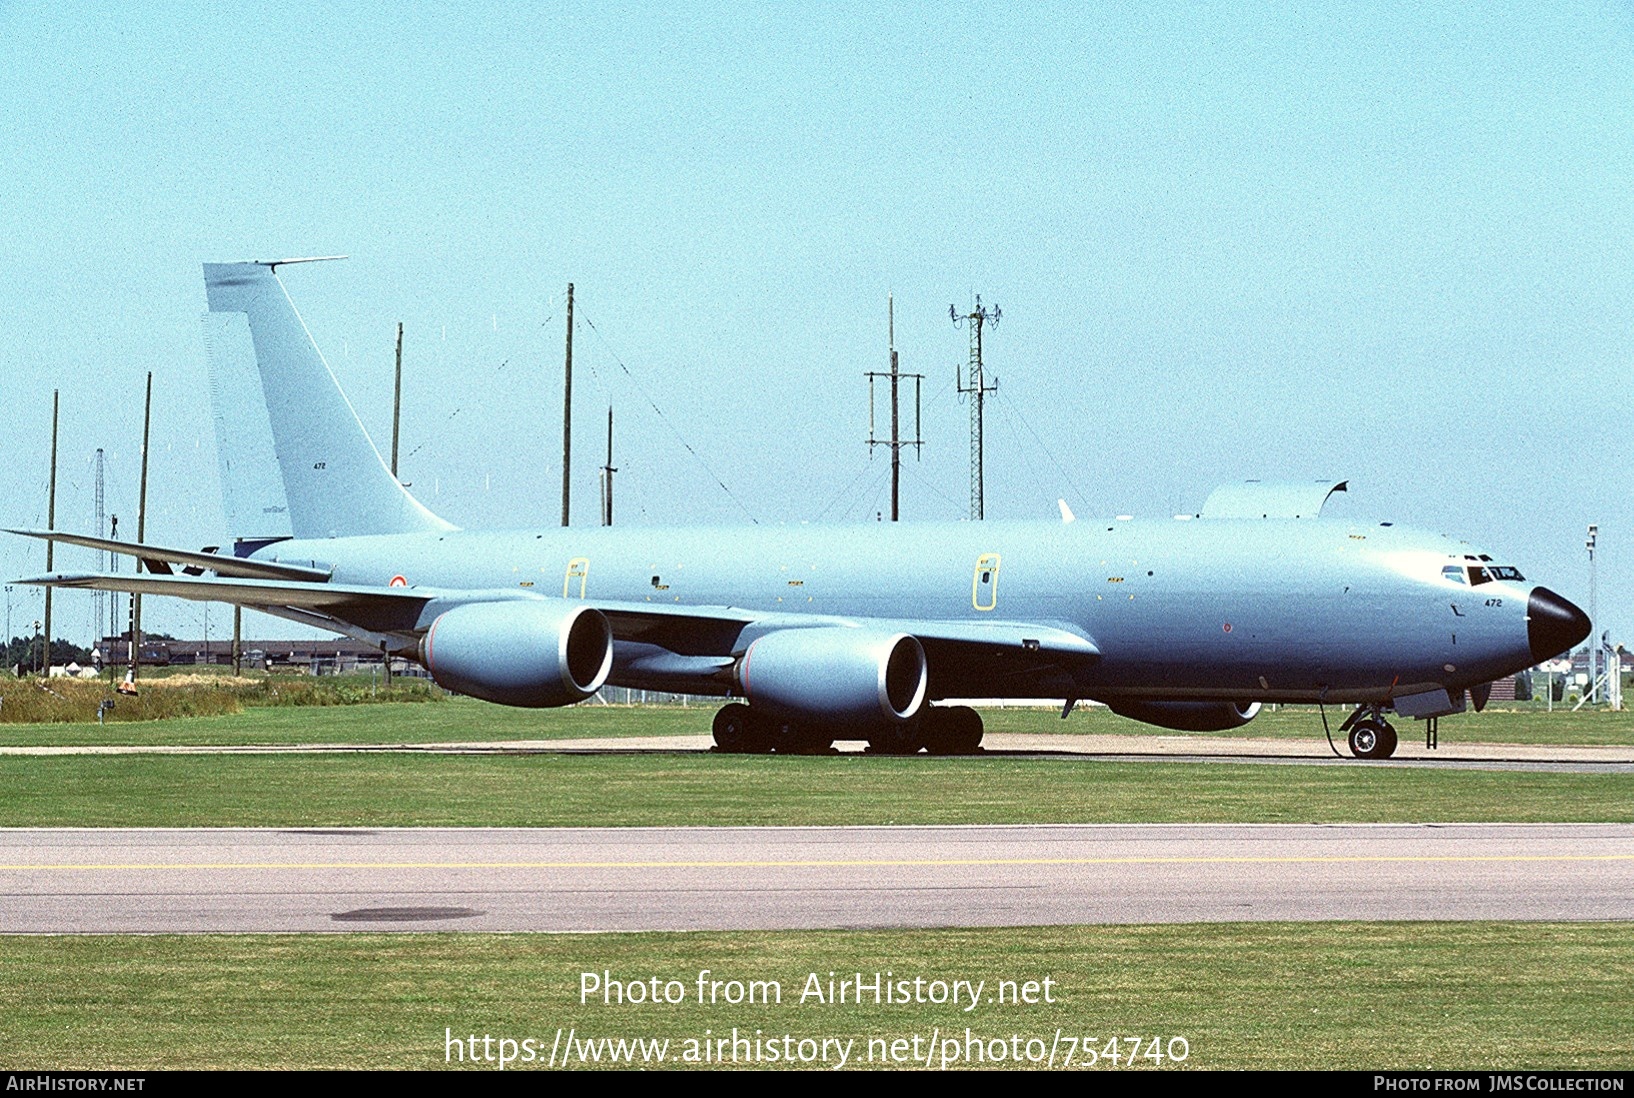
<point>157,558</point>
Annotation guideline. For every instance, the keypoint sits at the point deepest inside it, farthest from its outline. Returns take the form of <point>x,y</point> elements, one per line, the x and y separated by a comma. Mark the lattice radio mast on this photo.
<point>975,383</point>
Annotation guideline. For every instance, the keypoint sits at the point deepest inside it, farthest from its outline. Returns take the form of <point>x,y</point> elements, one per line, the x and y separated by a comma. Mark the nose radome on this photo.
<point>1553,624</point>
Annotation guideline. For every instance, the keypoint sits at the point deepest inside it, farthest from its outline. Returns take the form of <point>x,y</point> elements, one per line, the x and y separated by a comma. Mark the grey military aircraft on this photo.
<point>819,634</point>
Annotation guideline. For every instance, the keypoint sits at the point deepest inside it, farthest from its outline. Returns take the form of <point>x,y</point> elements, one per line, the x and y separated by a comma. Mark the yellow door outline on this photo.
<point>984,584</point>
<point>577,569</point>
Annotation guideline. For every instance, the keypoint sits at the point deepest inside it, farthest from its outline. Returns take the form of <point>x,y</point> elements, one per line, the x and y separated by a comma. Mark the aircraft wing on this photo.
<point>1003,658</point>
<point>963,657</point>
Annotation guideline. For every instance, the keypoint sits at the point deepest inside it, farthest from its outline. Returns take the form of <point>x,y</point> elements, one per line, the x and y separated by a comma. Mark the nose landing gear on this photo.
<point>1371,736</point>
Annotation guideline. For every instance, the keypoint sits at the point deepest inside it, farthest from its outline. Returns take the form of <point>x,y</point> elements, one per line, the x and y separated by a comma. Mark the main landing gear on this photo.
<point>1371,736</point>
<point>939,730</point>
<point>740,730</point>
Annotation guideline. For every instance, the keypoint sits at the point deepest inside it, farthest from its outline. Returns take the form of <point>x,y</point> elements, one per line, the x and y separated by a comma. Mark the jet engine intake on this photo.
<point>835,676</point>
<point>1188,716</point>
<point>538,654</point>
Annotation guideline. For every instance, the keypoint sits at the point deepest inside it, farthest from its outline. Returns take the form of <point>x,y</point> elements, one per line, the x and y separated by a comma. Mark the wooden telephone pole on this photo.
<point>129,685</point>
<point>567,411</point>
<point>896,442</point>
<point>51,524</point>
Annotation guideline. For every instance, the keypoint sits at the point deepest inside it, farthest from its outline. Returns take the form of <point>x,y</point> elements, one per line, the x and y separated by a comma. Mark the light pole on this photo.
<point>1594,641</point>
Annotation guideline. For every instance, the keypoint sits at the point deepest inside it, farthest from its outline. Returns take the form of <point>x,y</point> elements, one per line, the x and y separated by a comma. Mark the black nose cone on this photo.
<point>1553,625</point>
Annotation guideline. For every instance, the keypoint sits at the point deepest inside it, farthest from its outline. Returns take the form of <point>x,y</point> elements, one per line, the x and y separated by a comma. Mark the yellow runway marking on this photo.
<point>882,863</point>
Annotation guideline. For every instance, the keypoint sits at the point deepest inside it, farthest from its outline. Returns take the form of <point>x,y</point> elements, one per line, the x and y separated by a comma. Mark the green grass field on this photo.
<point>446,720</point>
<point>548,790</point>
<point>1453,995</point>
<point>455,719</point>
<point>1290,995</point>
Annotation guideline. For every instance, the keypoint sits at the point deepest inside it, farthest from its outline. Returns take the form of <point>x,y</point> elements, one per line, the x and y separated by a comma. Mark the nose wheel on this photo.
<point>1371,736</point>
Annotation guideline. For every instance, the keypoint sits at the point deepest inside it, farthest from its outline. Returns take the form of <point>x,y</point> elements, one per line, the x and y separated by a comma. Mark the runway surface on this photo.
<point>623,879</point>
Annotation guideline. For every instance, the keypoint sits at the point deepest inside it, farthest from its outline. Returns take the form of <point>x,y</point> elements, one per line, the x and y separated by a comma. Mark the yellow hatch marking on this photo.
<point>984,585</point>
<point>577,569</point>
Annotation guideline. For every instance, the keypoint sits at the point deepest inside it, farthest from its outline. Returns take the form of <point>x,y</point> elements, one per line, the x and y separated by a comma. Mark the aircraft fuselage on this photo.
<point>1224,609</point>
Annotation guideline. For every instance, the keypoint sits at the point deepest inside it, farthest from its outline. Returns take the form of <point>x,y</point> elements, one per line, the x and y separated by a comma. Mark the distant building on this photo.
<point>333,656</point>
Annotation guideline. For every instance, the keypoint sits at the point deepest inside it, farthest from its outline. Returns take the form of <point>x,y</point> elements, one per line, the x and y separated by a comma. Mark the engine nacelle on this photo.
<point>835,677</point>
<point>536,654</point>
<point>1188,716</point>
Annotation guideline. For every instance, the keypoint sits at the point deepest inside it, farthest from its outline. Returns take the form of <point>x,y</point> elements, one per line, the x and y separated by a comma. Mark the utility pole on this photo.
<point>607,472</point>
<point>895,375</point>
<point>976,385</point>
<point>397,401</point>
<point>567,409</point>
<point>238,641</point>
<point>113,596</point>
<point>99,598</point>
<point>396,427</point>
<point>129,685</point>
<point>51,524</point>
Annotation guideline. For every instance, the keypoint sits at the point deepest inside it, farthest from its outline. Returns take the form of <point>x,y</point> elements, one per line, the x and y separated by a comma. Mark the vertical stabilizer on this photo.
<point>252,488</point>
<point>334,481</point>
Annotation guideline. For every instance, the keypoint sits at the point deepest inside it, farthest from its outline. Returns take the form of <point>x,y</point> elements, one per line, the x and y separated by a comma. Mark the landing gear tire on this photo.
<point>1372,739</point>
<point>789,739</point>
<point>739,731</point>
<point>901,739</point>
<point>953,730</point>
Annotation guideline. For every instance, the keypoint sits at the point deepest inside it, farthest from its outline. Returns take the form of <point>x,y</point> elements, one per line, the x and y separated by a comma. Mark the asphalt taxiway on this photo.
<point>108,880</point>
<point>1587,759</point>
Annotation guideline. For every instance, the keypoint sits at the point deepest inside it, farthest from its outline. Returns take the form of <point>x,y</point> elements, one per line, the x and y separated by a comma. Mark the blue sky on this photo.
<point>1383,243</point>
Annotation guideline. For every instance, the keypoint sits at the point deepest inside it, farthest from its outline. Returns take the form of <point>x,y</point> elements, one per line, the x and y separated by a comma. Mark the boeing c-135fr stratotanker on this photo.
<point>820,634</point>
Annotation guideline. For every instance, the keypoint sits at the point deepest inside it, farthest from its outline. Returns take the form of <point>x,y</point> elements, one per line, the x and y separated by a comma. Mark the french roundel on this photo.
<point>399,581</point>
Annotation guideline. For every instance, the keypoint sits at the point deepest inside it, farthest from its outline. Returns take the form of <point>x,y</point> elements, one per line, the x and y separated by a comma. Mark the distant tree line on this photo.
<point>22,655</point>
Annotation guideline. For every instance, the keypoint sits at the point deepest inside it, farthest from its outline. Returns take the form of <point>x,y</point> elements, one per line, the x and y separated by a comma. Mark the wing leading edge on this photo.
<point>681,646</point>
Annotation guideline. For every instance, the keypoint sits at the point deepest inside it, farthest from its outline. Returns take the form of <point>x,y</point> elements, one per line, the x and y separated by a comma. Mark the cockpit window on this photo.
<point>1476,574</point>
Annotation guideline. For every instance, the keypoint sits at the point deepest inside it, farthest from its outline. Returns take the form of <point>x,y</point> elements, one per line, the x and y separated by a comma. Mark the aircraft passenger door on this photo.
<point>577,569</point>
<point>984,586</point>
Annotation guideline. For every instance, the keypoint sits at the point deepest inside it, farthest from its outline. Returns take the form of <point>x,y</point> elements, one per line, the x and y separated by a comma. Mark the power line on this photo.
<point>659,412</point>
<point>1006,407</point>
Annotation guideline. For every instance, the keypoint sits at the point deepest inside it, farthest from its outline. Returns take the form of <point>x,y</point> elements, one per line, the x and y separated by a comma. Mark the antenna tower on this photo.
<point>975,383</point>
<point>896,442</point>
